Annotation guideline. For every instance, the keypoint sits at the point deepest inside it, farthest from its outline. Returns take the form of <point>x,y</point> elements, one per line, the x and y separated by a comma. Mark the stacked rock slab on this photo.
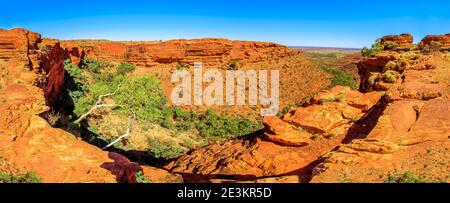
<point>412,133</point>
<point>210,51</point>
<point>288,146</point>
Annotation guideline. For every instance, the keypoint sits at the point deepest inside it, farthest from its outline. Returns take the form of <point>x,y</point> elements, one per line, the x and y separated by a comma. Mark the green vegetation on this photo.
<point>163,149</point>
<point>340,77</point>
<point>373,78</point>
<point>140,178</point>
<point>124,68</point>
<point>407,177</point>
<point>29,177</point>
<point>389,45</point>
<point>376,48</point>
<point>390,76</point>
<point>78,80</point>
<point>143,99</point>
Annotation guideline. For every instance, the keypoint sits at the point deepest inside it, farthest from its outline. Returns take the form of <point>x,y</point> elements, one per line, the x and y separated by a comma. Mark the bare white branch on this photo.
<point>99,104</point>
<point>120,137</point>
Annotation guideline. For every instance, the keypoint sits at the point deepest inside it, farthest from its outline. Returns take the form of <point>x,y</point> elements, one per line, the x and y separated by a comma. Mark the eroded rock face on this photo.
<point>289,146</point>
<point>444,40</point>
<point>342,135</point>
<point>210,51</point>
<point>28,142</point>
<point>411,134</point>
<point>403,40</point>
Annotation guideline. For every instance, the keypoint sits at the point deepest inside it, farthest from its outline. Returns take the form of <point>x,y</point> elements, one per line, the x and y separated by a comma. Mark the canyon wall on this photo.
<point>210,51</point>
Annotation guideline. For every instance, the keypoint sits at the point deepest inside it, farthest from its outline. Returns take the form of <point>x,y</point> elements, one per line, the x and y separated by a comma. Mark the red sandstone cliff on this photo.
<point>210,51</point>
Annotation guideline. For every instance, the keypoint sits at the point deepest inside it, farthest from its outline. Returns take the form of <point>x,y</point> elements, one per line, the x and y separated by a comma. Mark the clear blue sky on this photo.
<point>342,23</point>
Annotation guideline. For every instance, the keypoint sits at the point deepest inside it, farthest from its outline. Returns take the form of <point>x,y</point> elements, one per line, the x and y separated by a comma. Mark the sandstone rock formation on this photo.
<point>289,146</point>
<point>28,142</point>
<point>210,51</point>
<point>401,123</point>
<point>398,121</point>
<point>411,134</point>
<point>444,40</point>
<point>403,40</point>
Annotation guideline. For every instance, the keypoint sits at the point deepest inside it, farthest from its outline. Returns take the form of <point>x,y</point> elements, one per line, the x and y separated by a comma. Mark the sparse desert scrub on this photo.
<point>340,77</point>
<point>373,78</point>
<point>52,117</point>
<point>28,177</point>
<point>375,48</point>
<point>390,76</point>
<point>389,45</point>
<point>407,177</point>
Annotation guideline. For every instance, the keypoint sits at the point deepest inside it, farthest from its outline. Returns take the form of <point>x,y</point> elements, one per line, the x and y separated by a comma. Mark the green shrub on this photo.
<point>214,127</point>
<point>143,97</point>
<point>390,76</point>
<point>78,80</point>
<point>376,48</point>
<point>373,78</point>
<point>140,178</point>
<point>389,45</point>
<point>407,177</point>
<point>124,68</point>
<point>391,65</point>
<point>340,77</point>
<point>29,177</point>
<point>164,149</point>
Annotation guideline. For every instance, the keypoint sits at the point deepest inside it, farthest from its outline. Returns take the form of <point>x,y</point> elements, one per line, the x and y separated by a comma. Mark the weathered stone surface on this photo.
<point>403,40</point>
<point>444,40</point>
<point>210,51</point>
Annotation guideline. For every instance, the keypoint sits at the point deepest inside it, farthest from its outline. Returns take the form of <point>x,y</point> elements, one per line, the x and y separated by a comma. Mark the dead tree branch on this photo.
<point>99,104</point>
<point>122,136</point>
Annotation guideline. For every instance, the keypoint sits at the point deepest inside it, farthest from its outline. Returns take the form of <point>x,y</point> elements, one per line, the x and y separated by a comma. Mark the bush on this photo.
<point>140,178</point>
<point>124,68</point>
<point>78,81</point>
<point>390,76</point>
<point>389,45</point>
<point>143,97</point>
<point>340,77</point>
<point>373,78</point>
<point>376,48</point>
<point>29,177</point>
<point>164,149</point>
<point>407,177</point>
<point>391,65</point>
<point>215,127</point>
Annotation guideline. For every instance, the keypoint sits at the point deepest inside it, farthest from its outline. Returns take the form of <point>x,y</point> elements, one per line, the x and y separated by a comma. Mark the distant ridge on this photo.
<point>324,48</point>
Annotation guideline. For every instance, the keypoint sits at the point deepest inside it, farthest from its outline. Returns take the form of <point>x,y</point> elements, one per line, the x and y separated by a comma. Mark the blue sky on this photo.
<point>342,23</point>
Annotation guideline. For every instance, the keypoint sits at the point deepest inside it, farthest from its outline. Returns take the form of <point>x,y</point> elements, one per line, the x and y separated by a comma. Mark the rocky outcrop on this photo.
<point>441,40</point>
<point>402,41</point>
<point>289,146</point>
<point>28,142</point>
<point>210,51</point>
<point>410,135</point>
<point>342,135</point>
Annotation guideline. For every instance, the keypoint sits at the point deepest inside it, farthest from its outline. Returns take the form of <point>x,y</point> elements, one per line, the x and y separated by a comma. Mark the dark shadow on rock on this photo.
<point>122,168</point>
<point>364,126</point>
